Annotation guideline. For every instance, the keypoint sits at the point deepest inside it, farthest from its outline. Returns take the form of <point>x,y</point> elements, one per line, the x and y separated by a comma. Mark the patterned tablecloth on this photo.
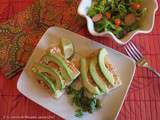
<point>22,23</point>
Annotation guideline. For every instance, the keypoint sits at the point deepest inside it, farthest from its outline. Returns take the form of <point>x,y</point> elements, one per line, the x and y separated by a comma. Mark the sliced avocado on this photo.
<point>68,81</point>
<point>49,83</point>
<point>101,61</point>
<point>68,75</point>
<point>98,80</point>
<point>55,74</point>
<point>91,88</point>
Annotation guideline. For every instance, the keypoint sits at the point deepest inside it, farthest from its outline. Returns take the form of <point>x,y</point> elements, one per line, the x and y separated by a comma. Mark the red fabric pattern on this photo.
<point>23,22</point>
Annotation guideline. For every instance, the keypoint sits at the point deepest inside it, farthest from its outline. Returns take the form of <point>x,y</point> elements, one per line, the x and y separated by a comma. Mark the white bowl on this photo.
<point>146,24</point>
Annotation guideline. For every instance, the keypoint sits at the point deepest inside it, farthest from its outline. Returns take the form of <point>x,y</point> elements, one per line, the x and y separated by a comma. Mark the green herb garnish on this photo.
<point>82,101</point>
<point>79,113</point>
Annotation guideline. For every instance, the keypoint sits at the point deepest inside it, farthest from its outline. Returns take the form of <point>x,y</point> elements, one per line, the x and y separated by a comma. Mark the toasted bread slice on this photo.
<point>54,72</point>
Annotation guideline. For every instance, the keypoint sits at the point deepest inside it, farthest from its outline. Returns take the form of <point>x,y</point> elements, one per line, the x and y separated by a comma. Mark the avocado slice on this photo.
<point>101,61</point>
<point>49,83</point>
<point>55,74</point>
<point>67,72</point>
<point>83,69</point>
<point>98,80</point>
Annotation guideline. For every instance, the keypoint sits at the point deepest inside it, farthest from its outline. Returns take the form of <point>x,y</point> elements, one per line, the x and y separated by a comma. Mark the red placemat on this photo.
<point>22,23</point>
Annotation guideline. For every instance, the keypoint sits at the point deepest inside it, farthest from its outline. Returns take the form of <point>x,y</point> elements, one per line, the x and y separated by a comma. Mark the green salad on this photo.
<point>118,16</point>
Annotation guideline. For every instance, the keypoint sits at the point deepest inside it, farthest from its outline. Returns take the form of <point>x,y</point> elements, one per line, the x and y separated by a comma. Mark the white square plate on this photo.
<point>111,103</point>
